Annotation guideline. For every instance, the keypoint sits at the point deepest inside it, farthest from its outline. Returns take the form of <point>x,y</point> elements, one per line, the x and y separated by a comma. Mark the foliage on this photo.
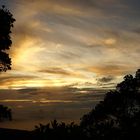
<point>55,130</point>
<point>6,23</point>
<point>118,116</point>
<point>5,113</point>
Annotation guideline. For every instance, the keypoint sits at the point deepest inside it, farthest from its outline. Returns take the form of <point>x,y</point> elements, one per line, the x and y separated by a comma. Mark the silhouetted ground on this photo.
<point>13,134</point>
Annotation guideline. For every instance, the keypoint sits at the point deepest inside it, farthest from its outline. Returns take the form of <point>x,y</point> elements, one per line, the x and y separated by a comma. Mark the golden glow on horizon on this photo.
<point>36,101</point>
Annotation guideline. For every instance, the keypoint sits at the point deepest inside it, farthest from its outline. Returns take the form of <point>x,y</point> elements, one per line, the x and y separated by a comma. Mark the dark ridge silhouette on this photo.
<point>6,23</point>
<point>14,134</point>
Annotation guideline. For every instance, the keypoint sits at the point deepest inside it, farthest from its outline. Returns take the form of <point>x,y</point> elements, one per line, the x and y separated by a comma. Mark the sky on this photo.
<point>67,53</point>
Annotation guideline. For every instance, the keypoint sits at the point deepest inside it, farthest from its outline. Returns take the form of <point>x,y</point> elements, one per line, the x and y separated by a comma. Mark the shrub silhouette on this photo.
<point>55,130</point>
<point>5,113</point>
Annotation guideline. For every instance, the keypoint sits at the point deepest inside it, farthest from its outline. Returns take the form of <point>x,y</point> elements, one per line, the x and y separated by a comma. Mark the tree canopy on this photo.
<point>6,23</point>
<point>118,115</point>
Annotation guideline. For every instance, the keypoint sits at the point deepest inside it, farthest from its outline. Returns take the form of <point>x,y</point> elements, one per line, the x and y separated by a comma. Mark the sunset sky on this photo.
<point>66,53</point>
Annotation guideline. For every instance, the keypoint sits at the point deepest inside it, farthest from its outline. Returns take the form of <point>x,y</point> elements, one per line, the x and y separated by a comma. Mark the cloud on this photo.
<point>29,91</point>
<point>9,80</point>
<point>104,7</point>
<point>56,71</point>
<point>106,79</point>
<point>48,94</point>
<point>75,38</point>
<point>116,69</point>
<point>49,103</point>
<point>110,41</point>
<point>61,71</point>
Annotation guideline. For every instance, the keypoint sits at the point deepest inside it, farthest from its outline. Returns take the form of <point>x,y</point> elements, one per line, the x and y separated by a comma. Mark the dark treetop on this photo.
<point>6,23</point>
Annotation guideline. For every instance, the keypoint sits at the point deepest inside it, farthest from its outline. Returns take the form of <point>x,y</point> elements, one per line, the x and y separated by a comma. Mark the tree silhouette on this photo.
<point>55,130</point>
<point>6,23</point>
<point>5,113</point>
<point>118,115</point>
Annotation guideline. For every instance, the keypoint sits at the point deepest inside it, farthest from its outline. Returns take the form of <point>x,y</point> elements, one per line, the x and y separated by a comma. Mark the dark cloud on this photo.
<point>107,82</point>
<point>78,3</point>
<point>106,79</point>
<point>56,71</point>
<point>61,94</point>
<point>29,91</point>
<point>61,71</point>
<point>48,104</point>
<point>136,30</point>
<point>69,55</point>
